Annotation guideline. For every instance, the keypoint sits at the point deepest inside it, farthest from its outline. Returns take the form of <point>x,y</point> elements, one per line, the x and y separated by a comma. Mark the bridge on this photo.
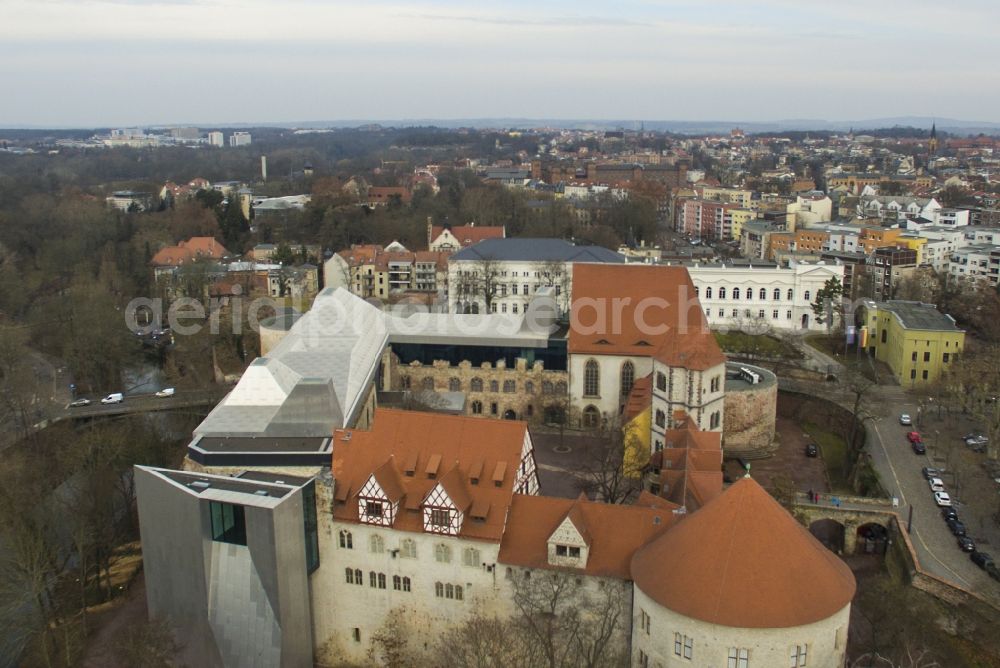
<point>847,524</point>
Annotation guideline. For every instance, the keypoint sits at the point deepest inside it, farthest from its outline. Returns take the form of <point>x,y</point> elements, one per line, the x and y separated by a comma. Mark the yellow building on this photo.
<point>738,217</point>
<point>913,243</point>
<point>917,341</point>
<point>729,195</point>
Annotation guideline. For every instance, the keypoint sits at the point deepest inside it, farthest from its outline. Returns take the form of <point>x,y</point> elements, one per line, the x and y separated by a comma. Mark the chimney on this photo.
<point>263,168</point>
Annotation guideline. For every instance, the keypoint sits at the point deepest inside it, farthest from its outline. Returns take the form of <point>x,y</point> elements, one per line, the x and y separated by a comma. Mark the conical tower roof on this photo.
<point>743,561</point>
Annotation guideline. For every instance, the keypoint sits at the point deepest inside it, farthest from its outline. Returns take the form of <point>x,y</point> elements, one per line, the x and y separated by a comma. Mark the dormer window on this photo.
<point>570,551</point>
<point>373,509</point>
<point>440,519</point>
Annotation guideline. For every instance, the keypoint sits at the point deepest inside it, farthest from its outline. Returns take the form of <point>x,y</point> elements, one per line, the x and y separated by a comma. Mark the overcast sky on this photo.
<point>124,62</point>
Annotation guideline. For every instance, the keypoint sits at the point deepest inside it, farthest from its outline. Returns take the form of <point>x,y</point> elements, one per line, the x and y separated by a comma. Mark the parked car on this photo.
<point>957,527</point>
<point>113,398</point>
<point>905,420</point>
<point>949,514</point>
<point>914,437</point>
<point>79,403</point>
<point>975,437</point>
<point>166,392</point>
<point>966,544</point>
<point>930,472</point>
<point>919,448</point>
<point>937,485</point>
<point>981,559</point>
<point>942,499</point>
<point>811,450</point>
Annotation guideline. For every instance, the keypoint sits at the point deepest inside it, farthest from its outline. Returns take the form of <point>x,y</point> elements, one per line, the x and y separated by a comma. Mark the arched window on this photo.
<point>458,592</point>
<point>628,377</point>
<point>763,294</point>
<point>427,383</point>
<point>547,387</point>
<point>749,294</point>
<point>442,553</point>
<point>375,544</point>
<point>346,540</point>
<point>477,407</point>
<point>529,410</point>
<point>777,294</point>
<point>791,293</point>
<point>510,386</point>
<point>372,579</point>
<point>722,293</point>
<point>397,583</point>
<point>708,293</point>
<point>591,379</point>
<point>439,590</point>
<point>591,417</point>
<point>529,387</point>
<point>449,590</point>
<point>476,385</point>
<point>471,557</point>
<point>404,382</point>
<point>494,386</point>
<point>736,293</point>
<point>408,548</point>
<point>359,577</point>
<point>381,580</point>
<point>454,385</point>
<point>805,295</point>
<point>561,388</point>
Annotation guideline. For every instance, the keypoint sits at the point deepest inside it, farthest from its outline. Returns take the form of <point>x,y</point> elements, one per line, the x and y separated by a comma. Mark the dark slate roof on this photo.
<point>915,315</point>
<point>536,250</point>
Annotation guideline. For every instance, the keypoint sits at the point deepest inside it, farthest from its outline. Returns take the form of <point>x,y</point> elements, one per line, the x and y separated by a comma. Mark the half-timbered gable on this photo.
<point>527,472</point>
<point>445,505</point>
<point>378,500</point>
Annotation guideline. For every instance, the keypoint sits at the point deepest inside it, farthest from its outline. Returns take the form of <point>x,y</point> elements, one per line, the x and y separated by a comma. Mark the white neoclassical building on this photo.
<point>762,296</point>
<point>502,275</point>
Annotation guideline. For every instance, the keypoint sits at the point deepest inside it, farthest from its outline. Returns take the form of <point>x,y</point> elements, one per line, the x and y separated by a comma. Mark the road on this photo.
<point>900,472</point>
<point>143,403</point>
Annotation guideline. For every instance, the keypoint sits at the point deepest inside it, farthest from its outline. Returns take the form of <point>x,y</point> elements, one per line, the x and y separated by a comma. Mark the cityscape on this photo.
<point>491,372</point>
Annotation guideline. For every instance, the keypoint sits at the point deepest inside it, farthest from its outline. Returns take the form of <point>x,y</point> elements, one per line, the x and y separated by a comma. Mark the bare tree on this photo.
<point>482,642</point>
<point>149,644</point>
<point>389,644</point>
<point>609,472</point>
<point>974,380</point>
<point>565,625</point>
<point>477,283</point>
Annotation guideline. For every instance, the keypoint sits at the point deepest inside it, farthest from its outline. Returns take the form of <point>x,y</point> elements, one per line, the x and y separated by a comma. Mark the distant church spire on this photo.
<point>932,145</point>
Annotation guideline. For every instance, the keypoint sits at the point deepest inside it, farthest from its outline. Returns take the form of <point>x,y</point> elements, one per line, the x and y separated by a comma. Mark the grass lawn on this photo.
<point>834,450</point>
<point>832,345</point>
<point>755,344</point>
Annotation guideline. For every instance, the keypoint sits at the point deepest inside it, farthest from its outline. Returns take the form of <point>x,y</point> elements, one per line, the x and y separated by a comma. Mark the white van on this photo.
<point>113,398</point>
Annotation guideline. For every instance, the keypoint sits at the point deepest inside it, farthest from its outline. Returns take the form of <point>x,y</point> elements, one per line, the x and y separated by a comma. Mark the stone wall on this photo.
<point>750,418</point>
<point>521,392</point>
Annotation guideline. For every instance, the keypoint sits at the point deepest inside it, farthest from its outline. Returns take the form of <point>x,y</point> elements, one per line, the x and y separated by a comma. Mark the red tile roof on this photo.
<point>467,235</point>
<point>743,561</point>
<point>461,453</point>
<point>613,532</point>
<point>642,310</point>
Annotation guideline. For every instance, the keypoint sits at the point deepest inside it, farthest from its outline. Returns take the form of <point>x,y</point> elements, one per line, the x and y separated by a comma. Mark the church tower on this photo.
<point>932,145</point>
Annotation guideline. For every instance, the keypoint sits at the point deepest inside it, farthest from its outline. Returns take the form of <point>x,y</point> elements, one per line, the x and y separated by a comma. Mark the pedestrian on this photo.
<point>811,499</point>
